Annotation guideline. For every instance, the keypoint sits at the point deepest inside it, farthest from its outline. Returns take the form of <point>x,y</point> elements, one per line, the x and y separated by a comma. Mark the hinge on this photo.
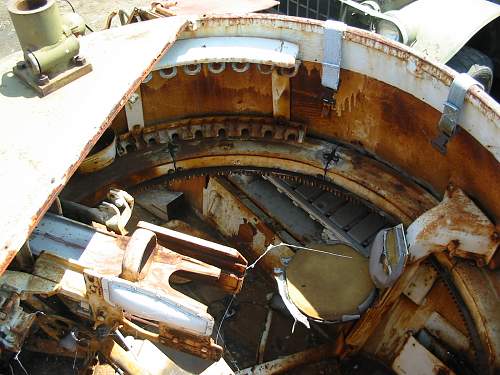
<point>448,123</point>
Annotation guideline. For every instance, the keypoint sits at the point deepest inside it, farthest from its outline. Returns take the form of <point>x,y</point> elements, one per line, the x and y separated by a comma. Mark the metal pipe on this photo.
<point>120,358</point>
<point>289,362</point>
<point>79,212</point>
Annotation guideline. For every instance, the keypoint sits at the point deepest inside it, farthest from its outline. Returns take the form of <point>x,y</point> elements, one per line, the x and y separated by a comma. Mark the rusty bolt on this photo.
<point>175,340</point>
<point>79,60</point>
<point>3,315</point>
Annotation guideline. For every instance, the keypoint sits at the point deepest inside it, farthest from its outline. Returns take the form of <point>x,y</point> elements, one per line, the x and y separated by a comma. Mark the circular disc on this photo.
<point>326,287</point>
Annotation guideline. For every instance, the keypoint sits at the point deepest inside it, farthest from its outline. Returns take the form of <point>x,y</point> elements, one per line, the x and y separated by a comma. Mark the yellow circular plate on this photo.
<point>327,287</point>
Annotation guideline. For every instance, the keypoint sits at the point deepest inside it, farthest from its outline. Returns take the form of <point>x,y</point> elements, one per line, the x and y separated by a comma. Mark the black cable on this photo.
<point>71,5</point>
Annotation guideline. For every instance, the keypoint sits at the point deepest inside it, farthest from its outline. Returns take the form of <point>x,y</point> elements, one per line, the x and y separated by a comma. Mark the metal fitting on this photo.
<point>212,67</point>
<point>192,69</point>
<point>168,73</point>
<point>240,67</point>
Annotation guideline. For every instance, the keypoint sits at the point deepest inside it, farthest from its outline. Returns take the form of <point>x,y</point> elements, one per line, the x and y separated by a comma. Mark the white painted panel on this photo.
<point>414,359</point>
<point>422,282</point>
<point>230,49</point>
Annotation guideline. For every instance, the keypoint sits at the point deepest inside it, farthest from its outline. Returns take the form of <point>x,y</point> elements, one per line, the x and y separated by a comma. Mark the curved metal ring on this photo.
<point>268,70</point>
<point>214,70</point>
<point>172,74</point>
<point>148,78</point>
<point>192,69</point>
<point>239,69</point>
<point>138,255</point>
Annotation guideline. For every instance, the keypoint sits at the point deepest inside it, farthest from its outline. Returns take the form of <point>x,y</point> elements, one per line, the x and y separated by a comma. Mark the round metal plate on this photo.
<point>327,287</point>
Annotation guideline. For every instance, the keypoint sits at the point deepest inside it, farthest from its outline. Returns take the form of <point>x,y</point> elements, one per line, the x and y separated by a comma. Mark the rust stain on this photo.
<point>349,94</point>
<point>227,92</point>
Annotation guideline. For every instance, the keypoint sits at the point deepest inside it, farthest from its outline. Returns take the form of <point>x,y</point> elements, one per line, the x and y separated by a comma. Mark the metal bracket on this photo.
<point>332,53</point>
<point>134,111</point>
<point>448,123</point>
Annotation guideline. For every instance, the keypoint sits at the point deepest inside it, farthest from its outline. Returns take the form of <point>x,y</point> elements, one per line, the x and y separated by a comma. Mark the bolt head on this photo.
<point>42,80</point>
<point>21,65</point>
<point>79,60</point>
<point>133,98</point>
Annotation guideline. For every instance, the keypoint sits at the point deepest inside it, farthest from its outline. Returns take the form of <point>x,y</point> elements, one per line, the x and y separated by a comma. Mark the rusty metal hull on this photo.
<point>372,142</point>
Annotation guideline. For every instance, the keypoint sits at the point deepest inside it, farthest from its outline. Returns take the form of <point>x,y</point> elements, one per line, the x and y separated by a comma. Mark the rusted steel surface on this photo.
<point>231,263</point>
<point>383,119</point>
<point>236,221</point>
<point>456,224</point>
<point>245,127</point>
<point>480,289</point>
<point>227,92</point>
<point>370,320</point>
<point>370,114</point>
<point>101,155</point>
<point>372,55</point>
<point>441,313</point>
<point>359,174</point>
<point>69,120</point>
<point>405,317</point>
<point>203,347</point>
<point>398,129</point>
<point>473,174</point>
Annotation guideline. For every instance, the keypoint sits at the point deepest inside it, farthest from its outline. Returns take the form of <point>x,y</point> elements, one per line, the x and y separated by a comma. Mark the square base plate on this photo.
<point>54,83</point>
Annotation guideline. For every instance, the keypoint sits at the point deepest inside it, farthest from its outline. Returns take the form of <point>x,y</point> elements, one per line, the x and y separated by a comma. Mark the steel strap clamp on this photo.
<point>448,123</point>
<point>332,53</point>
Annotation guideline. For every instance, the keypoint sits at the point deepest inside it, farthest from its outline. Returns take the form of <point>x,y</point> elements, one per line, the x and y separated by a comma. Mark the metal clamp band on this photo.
<point>448,123</point>
<point>332,53</point>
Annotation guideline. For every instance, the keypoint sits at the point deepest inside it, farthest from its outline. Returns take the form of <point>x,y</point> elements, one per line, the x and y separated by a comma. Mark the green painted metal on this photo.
<point>37,23</point>
<point>49,46</point>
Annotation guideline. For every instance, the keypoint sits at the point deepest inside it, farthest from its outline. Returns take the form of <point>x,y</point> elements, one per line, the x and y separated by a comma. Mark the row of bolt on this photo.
<point>219,67</point>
